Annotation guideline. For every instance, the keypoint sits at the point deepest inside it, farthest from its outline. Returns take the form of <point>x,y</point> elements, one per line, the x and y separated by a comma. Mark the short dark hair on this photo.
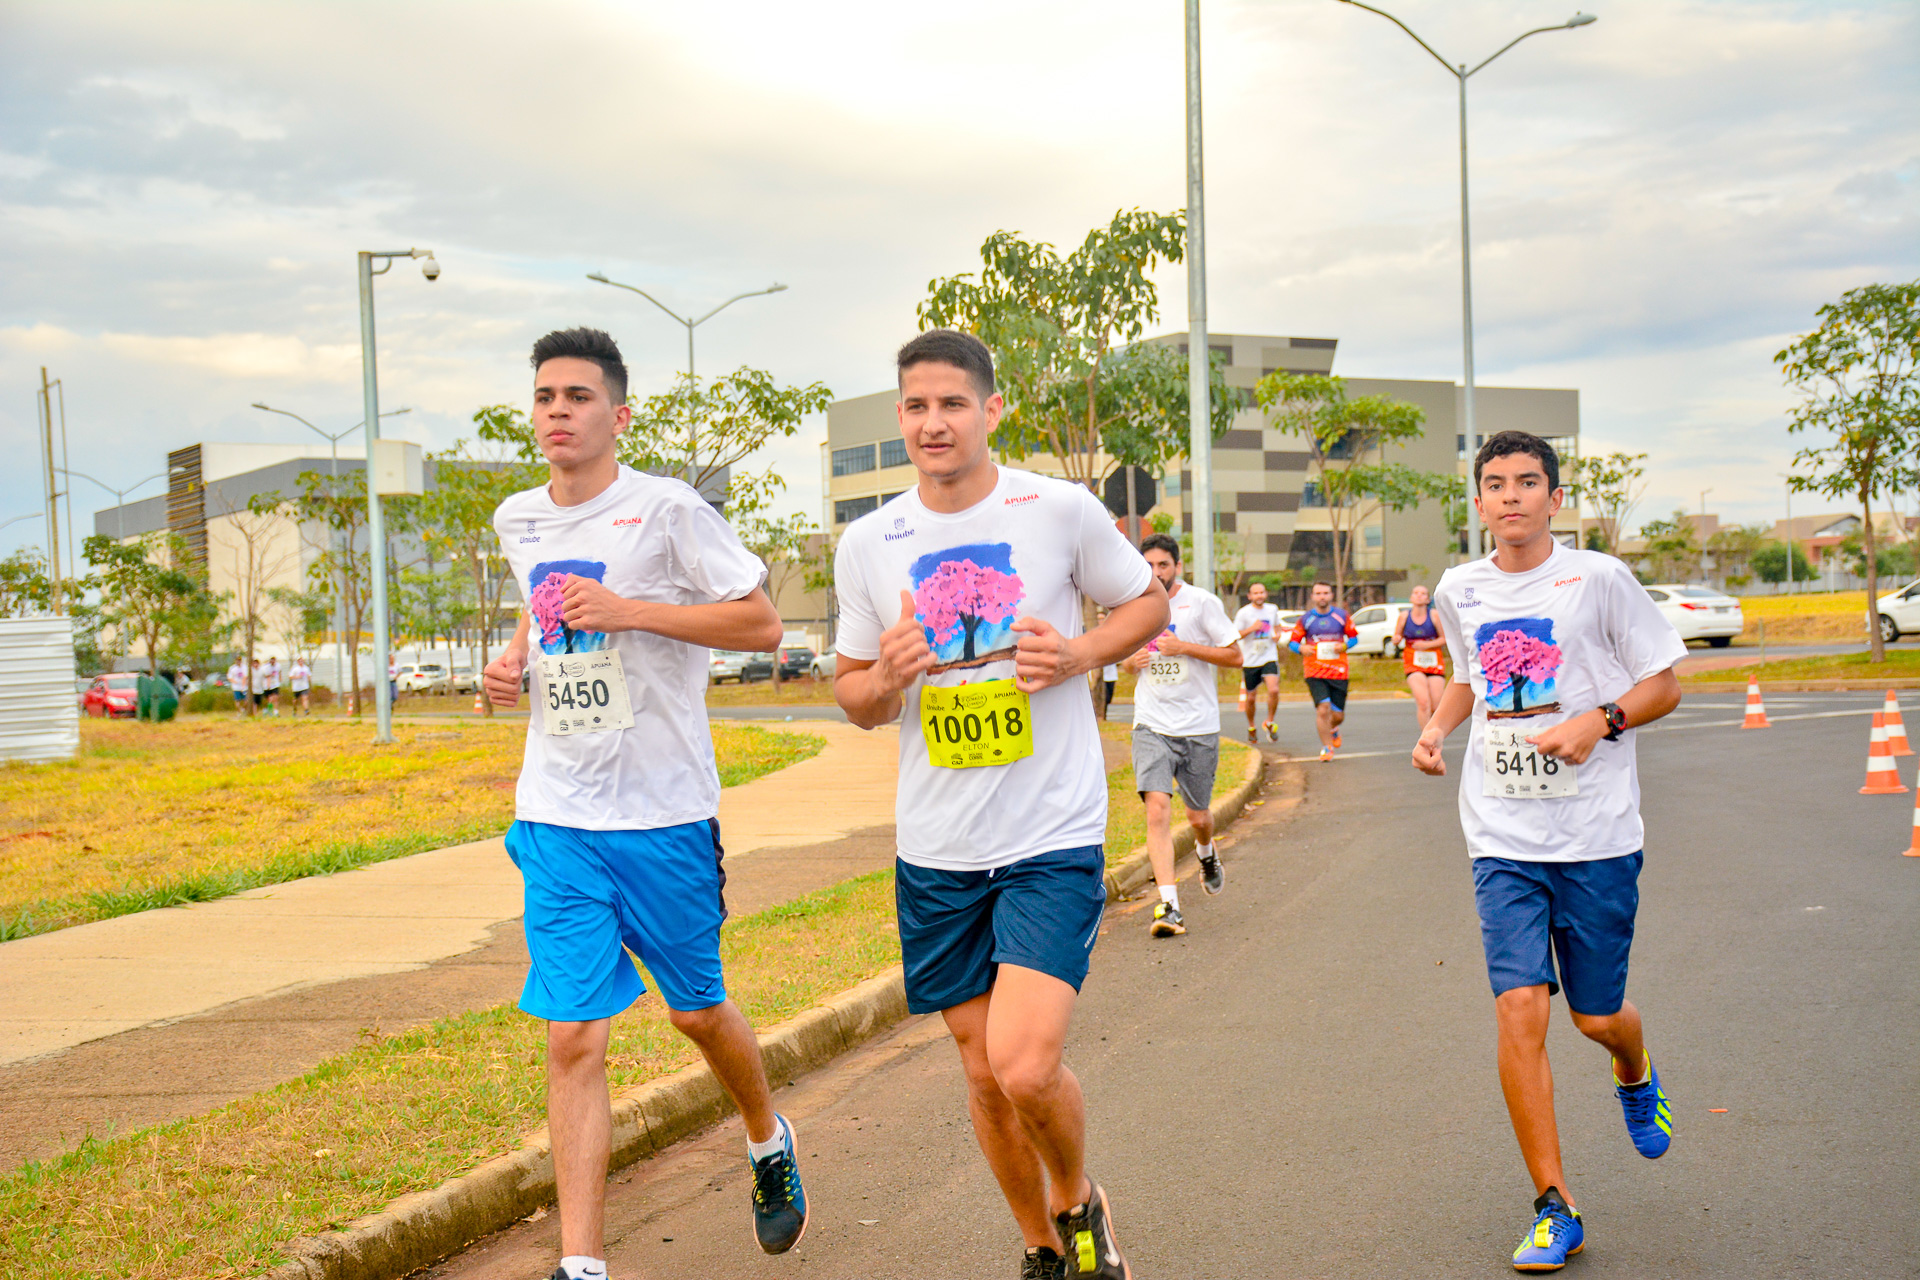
<point>1321,582</point>
<point>1161,542</point>
<point>1502,443</point>
<point>586,344</point>
<point>949,346</point>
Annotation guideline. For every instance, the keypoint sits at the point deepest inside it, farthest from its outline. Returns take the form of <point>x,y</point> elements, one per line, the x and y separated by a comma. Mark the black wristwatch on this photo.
<point>1616,720</point>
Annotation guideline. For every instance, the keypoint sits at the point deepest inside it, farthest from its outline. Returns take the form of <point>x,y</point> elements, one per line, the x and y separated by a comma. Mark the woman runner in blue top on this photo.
<point>1422,652</point>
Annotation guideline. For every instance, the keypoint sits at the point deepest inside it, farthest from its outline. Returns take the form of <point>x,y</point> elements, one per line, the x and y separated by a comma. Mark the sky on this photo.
<point>1660,200</point>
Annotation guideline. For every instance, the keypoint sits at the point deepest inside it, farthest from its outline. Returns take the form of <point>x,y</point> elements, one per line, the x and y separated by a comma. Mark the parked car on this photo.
<point>113,695</point>
<point>422,677</point>
<point>758,666</point>
<point>822,666</point>
<point>464,680</point>
<point>1699,613</point>
<point>1375,623</point>
<point>724,665</point>
<point>80,686</point>
<point>796,660</point>
<point>1899,613</point>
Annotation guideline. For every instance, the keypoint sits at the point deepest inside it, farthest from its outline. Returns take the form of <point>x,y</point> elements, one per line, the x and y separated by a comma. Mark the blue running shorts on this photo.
<point>1580,913</point>
<point>957,927</point>
<point>593,896</point>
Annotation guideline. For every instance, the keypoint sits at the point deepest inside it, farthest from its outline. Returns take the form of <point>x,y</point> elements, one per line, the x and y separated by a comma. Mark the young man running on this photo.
<point>1322,638</point>
<point>960,606</point>
<point>1558,655</point>
<point>629,579</point>
<point>1258,624</point>
<point>1176,726</point>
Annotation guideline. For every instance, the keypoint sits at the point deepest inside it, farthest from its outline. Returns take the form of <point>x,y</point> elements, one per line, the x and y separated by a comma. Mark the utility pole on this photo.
<point>1199,498</point>
<point>53,493</point>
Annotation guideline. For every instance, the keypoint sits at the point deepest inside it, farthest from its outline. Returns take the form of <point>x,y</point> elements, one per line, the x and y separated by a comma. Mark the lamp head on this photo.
<point>1581,19</point>
<point>429,268</point>
<point>598,275</point>
<point>258,405</point>
<point>778,288</point>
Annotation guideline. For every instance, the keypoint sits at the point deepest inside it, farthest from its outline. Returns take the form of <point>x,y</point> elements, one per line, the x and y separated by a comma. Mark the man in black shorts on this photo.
<point>1322,639</point>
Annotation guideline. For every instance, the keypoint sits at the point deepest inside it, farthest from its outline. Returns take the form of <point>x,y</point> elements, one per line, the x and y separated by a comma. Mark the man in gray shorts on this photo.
<point>1176,725</point>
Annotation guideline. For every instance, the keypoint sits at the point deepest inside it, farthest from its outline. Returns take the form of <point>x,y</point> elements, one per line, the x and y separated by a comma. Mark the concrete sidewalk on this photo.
<point>145,1017</point>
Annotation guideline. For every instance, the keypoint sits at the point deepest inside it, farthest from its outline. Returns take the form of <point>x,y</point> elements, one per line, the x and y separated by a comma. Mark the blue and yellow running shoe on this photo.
<point>1649,1117</point>
<point>1555,1236</point>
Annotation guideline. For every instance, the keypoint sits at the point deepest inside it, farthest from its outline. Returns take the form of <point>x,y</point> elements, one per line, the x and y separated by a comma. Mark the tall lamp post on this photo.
<point>376,522</point>
<point>1199,499</point>
<point>119,495</point>
<point>333,469</point>
<point>1462,73</point>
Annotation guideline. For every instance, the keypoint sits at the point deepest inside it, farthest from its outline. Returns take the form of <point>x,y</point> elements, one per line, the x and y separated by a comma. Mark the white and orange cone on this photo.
<point>1883,777</point>
<point>1896,731</point>
<point>1913,849</point>
<point>479,708</point>
<point>1756,709</point>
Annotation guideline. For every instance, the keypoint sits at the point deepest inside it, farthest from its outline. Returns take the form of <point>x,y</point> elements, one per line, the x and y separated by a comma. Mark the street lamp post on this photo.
<point>119,495</point>
<point>1199,498</point>
<point>333,470</point>
<point>1462,73</point>
<point>376,522</point>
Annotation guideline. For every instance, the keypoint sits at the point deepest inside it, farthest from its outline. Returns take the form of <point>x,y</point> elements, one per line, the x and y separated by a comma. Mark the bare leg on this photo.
<point>1249,703</point>
<point>1422,699</point>
<point>1273,698</point>
<point>726,1040</point>
<point>1323,722</point>
<point>580,1124</point>
<point>1027,1016</point>
<point>1526,1080</point>
<point>1160,836</point>
<point>1201,820</point>
<point>1620,1034</point>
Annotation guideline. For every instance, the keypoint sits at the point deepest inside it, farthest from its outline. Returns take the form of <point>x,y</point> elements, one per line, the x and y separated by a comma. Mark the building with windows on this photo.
<point>1270,511</point>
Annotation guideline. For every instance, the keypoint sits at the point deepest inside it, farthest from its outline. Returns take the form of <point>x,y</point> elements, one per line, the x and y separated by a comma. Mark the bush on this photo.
<point>204,700</point>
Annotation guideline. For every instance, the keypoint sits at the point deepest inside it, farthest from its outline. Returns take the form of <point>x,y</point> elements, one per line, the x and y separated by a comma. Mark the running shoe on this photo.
<point>1326,755</point>
<point>1336,739</point>
<point>1271,735</point>
<point>1212,877</point>
<point>1166,921</point>
<point>1042,1263</point>
<point>1649,1116</point>
<point>1252,736</point>
<point>779,1202</point>
<point>1555,1236</point>
<point>1087,1233</point>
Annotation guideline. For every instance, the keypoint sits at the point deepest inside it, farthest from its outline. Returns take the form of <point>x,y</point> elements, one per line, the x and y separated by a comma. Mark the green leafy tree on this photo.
<point>1672,548</point>
<point>1861,403</point>
<point>342,571</point>
<point>1610,485</point>
<point>146,592</point>
<point>1078,383</point>
<point>303,617</point>
<point>787,547</point>
<point>435,601</point>
<point>25,586</point>
<point>1770,563</point>
<point>700,431</point>
<point>1889,562</point>
<point>1348,438</point>
<point>252,546</point>
<point>1733,547</point>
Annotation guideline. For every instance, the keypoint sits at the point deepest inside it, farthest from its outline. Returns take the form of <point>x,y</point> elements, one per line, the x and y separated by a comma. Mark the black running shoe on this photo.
<point>1212,877</point>
<point>1166,921</point>
<point>779,1202</point>
<point>1087,1234</point>
<point>1042,1263</point>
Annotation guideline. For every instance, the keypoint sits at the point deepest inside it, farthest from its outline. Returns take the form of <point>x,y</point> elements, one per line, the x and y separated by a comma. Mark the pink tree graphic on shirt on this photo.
<point>548,603</point>
<point>959,596</point>
<point>1516,659</point>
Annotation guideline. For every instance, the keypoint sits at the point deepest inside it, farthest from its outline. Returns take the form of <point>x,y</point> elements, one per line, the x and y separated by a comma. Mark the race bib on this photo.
<point>1329,650</point>
<point>973,725</point>
<point>1165,669</point>
<point>583,693</point>
<point>1515,770</point>
<point>1426,659</point>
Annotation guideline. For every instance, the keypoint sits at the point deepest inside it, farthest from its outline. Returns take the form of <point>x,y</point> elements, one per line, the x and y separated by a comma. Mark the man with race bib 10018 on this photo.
<point>628,579</point>
<point>1558,655</point>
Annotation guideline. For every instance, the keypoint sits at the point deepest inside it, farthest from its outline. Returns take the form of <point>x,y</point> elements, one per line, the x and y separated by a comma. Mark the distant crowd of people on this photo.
<point>268,686</point>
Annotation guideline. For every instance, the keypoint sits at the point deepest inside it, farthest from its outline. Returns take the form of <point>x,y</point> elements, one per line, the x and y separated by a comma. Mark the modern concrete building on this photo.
<point>1270,514</point>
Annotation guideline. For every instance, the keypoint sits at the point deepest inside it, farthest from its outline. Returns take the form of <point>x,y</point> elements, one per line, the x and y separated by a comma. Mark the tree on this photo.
<point>1889,562</point>
<point>257,554</point>
<point>1612,485</point>
<point>1770,562</point>
<point>787,548</point>
<point>434,602</point>
<point>1734,547</point>
<point>700,431</point>
<point>304,617</point>
<point>1673,549</point>
<point>342,572</point>
<point>958,597</point>
<point>25,586</point>
<point>1515,658</point>
<point>1341,433</point>
<point>144,590</point>
<point>1857,374</point>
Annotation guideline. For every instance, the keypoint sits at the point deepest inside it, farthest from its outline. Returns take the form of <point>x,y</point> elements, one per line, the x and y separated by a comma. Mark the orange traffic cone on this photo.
<point>1883,778</point>
<point>1896,731</point>
<point>479,708</point>
<point>1913,849</point>
<point>1756,709</point>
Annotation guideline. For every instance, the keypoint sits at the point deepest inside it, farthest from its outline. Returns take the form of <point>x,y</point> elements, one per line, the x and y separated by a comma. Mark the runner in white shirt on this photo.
<point>1558,655</point>
<point>270,684</point>
<point>1176,726</point>
<point>1259,626</point>
<point>237,684</point>
<point>628,579</point>
<point>300,680</point>
<point>960,603</point>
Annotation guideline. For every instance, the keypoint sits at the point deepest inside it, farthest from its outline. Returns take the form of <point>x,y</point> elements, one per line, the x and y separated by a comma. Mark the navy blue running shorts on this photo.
<point>1579,913</point>
<point>958,927</point>
<point>1322,690</point>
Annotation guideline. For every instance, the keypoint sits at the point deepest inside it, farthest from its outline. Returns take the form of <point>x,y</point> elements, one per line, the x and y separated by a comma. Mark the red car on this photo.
<point>114,695</point>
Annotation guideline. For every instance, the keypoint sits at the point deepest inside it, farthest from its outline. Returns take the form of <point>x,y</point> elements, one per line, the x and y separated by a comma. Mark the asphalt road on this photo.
<point>1303,1086</point>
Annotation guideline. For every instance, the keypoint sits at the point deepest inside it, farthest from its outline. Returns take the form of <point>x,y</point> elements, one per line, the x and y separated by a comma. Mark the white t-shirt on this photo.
<point>644,538</point>
<point>271,676</point>
<point>1180,697</point>
<point>1258,649</point>
<point>301,677</point>
<point>1029,549</point>
<point>237,676</point>
<point>1560,639</point>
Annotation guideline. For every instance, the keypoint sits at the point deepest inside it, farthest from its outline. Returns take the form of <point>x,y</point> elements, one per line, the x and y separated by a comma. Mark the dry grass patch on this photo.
<point>1901,664</point>
<point>149,815</point>
<point>1839,616</point>
<point>218,1195</point>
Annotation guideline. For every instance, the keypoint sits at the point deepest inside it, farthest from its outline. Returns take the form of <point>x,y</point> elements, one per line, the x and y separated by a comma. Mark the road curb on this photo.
<point>1135,870</point>
<point>419,1229</point>
<point>1865,685</point>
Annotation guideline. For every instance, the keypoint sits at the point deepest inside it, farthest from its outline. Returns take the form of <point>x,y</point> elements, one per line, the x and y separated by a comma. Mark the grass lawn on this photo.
<point>1805,619</point>
<point>218,1195</point>
<point>1901,664</point>
<point>149,815</point>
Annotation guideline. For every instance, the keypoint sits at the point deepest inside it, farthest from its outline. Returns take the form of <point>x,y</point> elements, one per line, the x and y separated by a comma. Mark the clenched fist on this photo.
<point>904,653</point>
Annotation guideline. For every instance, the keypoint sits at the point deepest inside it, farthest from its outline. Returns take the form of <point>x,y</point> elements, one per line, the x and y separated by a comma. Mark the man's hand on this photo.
<point>588,605</point>
<point>1174,647</point>
<point>1572,740</point>
<point>904,653</point>
<point>501,678</point>
<point>1042,656</point>
<point>1137,663</point>
<point>1426,754</point>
